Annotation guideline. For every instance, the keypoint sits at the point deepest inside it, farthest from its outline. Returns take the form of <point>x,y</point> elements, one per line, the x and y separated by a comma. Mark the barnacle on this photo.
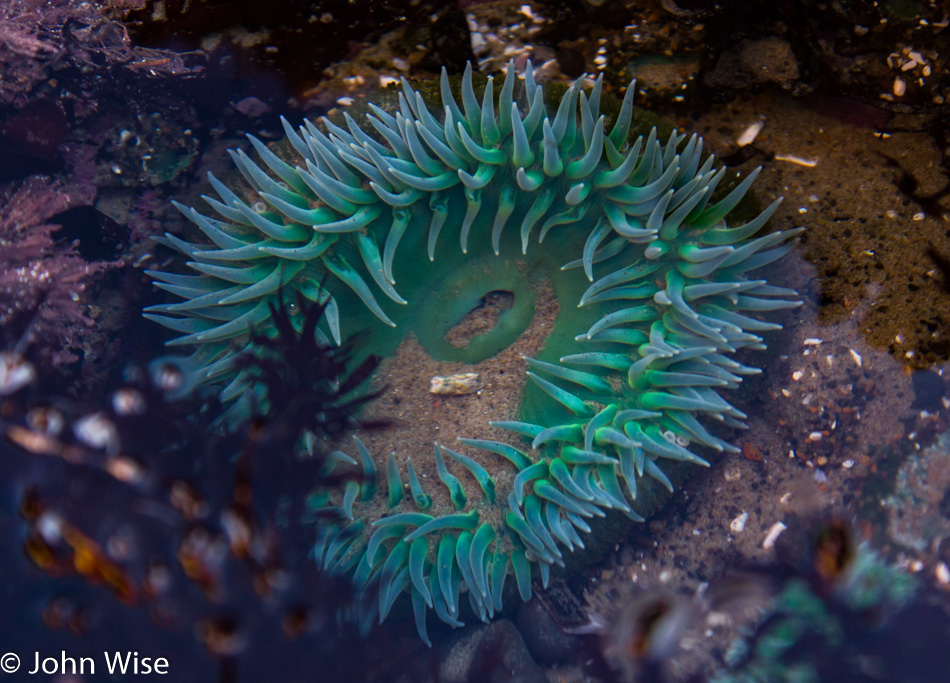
<point>402,225</point>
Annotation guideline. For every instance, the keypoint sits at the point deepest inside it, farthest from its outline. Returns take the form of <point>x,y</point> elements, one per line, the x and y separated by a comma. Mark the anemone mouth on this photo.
<point>451,321</point>
<point>492,308</point>
<point>402,226</point>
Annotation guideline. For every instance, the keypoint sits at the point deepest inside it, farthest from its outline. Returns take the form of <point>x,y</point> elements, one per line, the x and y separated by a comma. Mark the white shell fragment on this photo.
<point>128,402</point>
<point>792,159</point>
<point>97,431</point>
<point>15,372</point>
<point>738,524</point>
<point>125,469</point>
<point>459,384</point>
<point>774,532</point>
<point>749,134</point>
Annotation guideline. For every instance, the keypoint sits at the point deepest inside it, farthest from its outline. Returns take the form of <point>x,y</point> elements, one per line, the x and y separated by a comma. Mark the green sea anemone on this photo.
<point>404,225</point>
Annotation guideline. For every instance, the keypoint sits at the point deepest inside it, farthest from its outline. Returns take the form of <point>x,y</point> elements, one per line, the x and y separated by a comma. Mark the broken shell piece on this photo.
<point>738,524</point>
<point>791,158</point>
<point>128,402</point>
<point>774,532</point>
<point>125,469</point>
<point>45,420</point>
<point>455,385</point>
<point>15,372</point>
<point>750,134</point>
<point>97,431</point>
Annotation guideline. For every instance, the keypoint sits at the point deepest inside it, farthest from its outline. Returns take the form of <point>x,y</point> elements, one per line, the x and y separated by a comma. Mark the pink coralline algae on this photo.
<point>41,279</point>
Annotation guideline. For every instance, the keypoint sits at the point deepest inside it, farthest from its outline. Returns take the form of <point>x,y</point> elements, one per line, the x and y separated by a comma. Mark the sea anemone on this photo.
<point>404,226</point>
<point>840,611</point>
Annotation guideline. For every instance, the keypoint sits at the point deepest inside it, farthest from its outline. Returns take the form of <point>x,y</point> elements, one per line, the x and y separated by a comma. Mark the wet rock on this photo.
<point>490,653</point>
<point>665,78</point>
<point>300,40</point>
<point>754,63</point>
<point>545,639</point>
<point>915,510</point>
<point>928,389</point>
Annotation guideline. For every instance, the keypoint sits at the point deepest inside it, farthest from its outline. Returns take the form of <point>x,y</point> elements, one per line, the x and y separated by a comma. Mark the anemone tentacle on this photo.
<point>352,213</point>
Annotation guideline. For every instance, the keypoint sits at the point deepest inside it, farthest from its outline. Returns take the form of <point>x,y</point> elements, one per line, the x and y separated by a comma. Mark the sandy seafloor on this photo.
<point>836,427</point>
